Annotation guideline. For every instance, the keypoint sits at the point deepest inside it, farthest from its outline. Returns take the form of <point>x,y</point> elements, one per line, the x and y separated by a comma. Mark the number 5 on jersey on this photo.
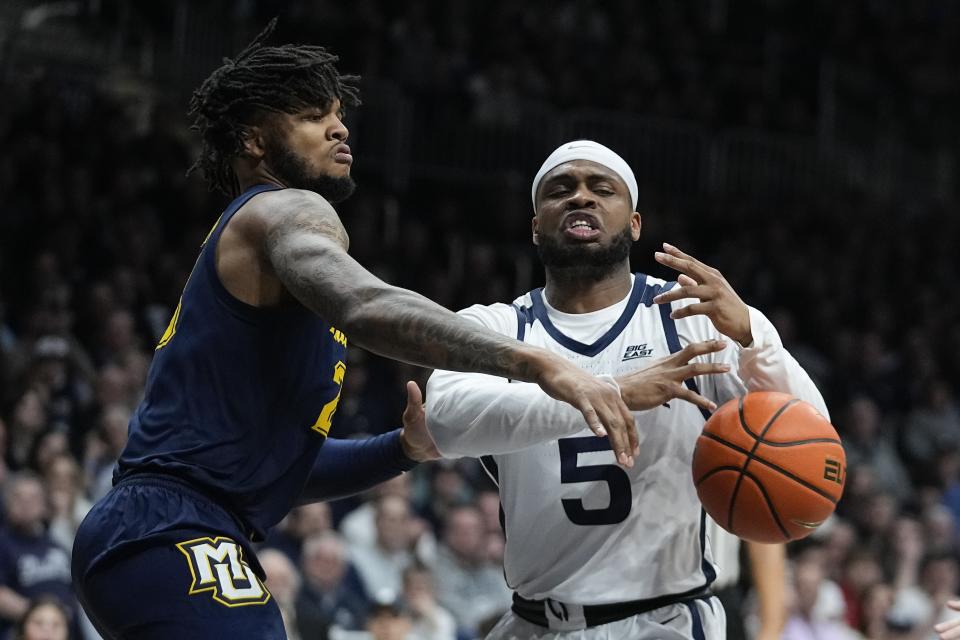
<point>571,472</point>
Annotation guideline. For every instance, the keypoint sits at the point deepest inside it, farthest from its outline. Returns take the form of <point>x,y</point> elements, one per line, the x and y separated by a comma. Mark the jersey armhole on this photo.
<point>209,255</point>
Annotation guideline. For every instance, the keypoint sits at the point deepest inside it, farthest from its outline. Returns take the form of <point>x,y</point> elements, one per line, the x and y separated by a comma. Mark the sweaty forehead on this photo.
<point>580,170</point>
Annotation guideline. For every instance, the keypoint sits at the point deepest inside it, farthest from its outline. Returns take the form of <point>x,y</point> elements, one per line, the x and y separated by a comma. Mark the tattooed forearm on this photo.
<point>307,252</point>
<point>421,332</point>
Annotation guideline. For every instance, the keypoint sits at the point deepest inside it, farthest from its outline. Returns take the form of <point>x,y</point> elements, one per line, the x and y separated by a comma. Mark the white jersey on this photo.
<point>579,528</point>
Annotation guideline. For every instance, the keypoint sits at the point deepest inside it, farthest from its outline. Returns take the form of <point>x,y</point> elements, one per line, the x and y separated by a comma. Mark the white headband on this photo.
<point>588,150</point>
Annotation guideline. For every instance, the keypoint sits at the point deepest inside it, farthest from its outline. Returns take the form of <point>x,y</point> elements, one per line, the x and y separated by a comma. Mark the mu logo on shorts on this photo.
<point>217,565</point>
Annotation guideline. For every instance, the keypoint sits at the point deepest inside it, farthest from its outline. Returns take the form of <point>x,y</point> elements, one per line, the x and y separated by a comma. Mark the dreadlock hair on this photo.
<point>283,79</point>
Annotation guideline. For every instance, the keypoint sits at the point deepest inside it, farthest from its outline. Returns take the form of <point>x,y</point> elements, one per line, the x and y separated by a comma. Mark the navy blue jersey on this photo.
<point>239,399</point>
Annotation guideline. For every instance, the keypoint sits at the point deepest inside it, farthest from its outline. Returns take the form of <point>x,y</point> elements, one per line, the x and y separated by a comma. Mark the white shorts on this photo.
<point>695,619</point>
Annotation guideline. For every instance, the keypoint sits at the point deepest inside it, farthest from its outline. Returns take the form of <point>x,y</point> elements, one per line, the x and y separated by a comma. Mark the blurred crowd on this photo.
<point>888,66</point>
<point>99,229</point>
<point>866,68</point>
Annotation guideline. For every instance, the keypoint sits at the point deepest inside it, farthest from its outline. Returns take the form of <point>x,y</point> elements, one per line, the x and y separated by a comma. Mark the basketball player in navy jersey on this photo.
<point>245,380</point>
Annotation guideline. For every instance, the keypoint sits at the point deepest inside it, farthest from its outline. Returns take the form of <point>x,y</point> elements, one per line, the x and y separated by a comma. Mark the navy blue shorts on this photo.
<point>157,559</point>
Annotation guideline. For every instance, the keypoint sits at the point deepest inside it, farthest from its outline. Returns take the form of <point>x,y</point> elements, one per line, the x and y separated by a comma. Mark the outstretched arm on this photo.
<point>348,467</point>
<point>305,245</point>
<point>474,415</point>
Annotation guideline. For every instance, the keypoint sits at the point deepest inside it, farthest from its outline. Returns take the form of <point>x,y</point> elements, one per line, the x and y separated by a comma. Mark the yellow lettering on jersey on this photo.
<point>339,371</point>
<point>217,565</point>
<point>325,421</point>
<point>171,328</point>
<point>339,336</point>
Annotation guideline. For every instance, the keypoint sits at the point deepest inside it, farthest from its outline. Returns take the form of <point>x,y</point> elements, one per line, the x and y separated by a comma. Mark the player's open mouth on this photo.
<point>342,154</point>
<point>581,226</point>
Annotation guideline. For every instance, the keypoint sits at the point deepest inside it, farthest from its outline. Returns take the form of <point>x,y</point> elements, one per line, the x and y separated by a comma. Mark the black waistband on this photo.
<point>598,614</point>
<point>177,483</point>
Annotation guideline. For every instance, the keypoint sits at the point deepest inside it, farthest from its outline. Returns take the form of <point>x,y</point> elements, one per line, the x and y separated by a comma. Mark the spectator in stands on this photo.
<point>45,619</point>
<point>940,529</point>
<point>47,445</point>
<point>330,595</point>
<point>430,620</point>
<point>448,489</point>
<point>359,526</point>
<point>861,570</point>
<point>931,427</point>
<point>804,622</point>
<point>60,367</point>
<point>877,602</point>
<point>307,521</point>
<point>68,498</point>
<point>381,565</point>
<point>119,339</point>
<point>468,585</point>
<point>114,387</point>
<point>488,502</point>
<point>940,581</point>
<point>104,448</point>
<point>868,444</point>
<point>389,622</point>
<point>28,420</point>
<point>31,563</point>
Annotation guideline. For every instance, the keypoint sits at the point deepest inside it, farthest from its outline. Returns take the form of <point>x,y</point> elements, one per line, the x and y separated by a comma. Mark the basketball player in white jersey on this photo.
<point>594,550</point>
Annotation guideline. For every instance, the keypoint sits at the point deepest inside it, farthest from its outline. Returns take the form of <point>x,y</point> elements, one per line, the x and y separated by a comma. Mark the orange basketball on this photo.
<point>768,467</point>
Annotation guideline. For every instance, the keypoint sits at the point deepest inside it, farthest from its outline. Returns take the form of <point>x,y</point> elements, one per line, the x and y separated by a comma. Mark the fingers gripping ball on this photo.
<point>768,467</point>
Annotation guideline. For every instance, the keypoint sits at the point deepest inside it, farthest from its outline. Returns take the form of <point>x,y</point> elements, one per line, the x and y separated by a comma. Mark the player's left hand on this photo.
<point>414,437</point>
<point>718,301</point>
<point>949,630</point>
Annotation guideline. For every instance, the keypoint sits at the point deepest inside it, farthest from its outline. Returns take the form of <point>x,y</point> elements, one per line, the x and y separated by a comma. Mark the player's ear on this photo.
<point>535,226</point>
<point>254,146</point>
<point>635,226</point>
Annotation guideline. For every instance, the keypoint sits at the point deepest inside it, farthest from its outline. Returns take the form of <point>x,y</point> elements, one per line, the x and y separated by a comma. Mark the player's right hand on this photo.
<point>663,381</point>
<point>598,400</point>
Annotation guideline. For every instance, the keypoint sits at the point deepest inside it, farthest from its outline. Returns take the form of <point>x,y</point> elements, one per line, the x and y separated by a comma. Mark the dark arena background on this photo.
<point>808,150</point>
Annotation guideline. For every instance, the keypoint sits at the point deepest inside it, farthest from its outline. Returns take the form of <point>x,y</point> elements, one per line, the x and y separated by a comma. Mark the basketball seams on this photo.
<point>736,486</point>
<point>716,470</point>
<point>794,443</point>
<point>758,439</point>
<point>771,465</point>
<point>756,481</point>
<point>766,427</point>
<point>766,498</point>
